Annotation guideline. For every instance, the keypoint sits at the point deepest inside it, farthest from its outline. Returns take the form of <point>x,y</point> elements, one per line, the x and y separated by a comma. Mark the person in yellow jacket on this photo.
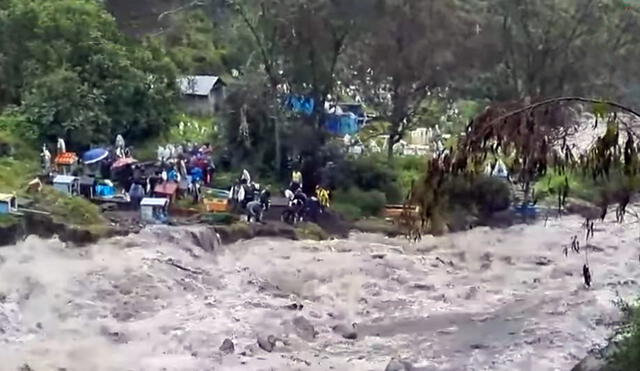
<point>323,196</point>
<point>296,181</point>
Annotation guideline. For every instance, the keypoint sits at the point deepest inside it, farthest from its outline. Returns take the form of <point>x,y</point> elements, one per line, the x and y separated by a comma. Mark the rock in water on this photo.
<point>227,346</point>
<point>304,329</point>
<point>396,365</point>
<point>267,344</point>
<point>346,331</point>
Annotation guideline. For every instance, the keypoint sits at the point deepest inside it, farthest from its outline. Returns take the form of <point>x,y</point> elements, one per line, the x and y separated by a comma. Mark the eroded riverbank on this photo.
<point>477,300</point>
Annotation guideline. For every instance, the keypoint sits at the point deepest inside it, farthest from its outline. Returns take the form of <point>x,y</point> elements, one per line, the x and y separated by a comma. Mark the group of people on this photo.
<point>189,169</point>
<point>302,207</point>
<point>249,197</point>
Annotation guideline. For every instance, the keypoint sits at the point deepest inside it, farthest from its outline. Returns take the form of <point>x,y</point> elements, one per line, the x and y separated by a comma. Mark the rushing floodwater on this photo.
<point>479,300</point>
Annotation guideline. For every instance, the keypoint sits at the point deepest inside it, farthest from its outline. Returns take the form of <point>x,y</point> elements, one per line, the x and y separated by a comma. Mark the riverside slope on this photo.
<point>167,298</point>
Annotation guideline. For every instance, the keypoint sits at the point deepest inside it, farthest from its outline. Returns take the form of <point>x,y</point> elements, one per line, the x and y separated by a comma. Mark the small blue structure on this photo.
<point>67,184</point>
<point>8,203</point>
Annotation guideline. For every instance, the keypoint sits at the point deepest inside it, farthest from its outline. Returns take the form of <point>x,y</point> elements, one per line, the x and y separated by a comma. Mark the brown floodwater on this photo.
<point>478,300</point>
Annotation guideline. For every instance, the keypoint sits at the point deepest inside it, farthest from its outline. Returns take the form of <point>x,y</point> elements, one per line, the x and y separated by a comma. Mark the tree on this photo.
<point>548,48</point>
<point>400,64</point>
<point>298,45</point>
<point>57,49</point>
<point>193,45</point>
<point>539,136</point>
<point>63,105</point>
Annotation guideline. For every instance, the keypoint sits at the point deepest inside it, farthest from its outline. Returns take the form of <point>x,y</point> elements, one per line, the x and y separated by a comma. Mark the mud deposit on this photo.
<point>164,300</point>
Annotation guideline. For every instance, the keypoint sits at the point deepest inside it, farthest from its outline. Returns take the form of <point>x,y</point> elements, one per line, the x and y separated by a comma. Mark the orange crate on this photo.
<point>217,205</point>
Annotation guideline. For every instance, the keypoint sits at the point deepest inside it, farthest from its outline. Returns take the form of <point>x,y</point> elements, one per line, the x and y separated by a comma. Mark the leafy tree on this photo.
<point>298,45</point>
<point>193,45</point>
<point>539,136</point>
<point>75,75</point>
<point>552,48</point>
<point>64,105</point>
<point>400,64</point>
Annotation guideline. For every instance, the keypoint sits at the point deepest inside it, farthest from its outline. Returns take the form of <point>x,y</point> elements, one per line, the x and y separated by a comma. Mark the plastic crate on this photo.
<point>218,205</point>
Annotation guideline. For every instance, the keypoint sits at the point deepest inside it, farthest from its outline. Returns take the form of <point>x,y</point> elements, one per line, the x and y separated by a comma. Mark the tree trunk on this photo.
<point>278,166</point>
<point>393,139</point>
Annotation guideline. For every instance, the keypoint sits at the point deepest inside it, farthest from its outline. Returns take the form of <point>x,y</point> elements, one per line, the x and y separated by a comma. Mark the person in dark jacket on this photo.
<point>254,211</point>
<point>265,199</point>
<point>136,193</point>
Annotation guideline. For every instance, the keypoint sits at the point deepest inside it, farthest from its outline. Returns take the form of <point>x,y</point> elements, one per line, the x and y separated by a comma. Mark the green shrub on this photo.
<point>71,210</point>
<point>224,180</point>
<point>370,173</point>
<point>628,355</point>
<point>356,203</point>
<point>411,169</point>
<point>484,194</point>
<point>218,218</point>
<point>14,126</point>
<point>580,187</point>
<point>19,165</point>
<point>584,187</point>
<point>491,194</point>
<point>311,231</point>
<point>347,210</point>
<point>7,220</point>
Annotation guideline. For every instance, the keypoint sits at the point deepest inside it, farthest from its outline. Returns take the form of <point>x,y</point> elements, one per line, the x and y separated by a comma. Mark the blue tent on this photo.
<point>300,104</point>
<point>94,155</point>
<point>341,125</point>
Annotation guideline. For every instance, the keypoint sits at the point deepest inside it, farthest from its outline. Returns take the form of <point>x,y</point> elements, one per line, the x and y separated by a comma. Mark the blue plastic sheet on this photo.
<point>300,104</point>
<point>343,124</point>
<point>103,190</point>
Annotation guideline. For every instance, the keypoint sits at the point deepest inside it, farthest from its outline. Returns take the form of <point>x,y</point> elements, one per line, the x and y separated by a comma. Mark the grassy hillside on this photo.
<point>19,166</point>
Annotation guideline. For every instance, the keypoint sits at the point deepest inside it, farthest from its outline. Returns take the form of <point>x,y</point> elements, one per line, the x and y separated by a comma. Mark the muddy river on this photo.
<point>167,298</point>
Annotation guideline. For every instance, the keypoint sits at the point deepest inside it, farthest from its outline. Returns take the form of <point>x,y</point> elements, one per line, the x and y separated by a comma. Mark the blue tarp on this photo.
<point>355,108</point>
<point>103,190</point>
<point>526,210</point>
<point>342,125</point>
<point>300,104</point>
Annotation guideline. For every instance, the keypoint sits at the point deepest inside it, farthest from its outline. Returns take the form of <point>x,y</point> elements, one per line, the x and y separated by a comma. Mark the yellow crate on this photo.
<point>216,205</point>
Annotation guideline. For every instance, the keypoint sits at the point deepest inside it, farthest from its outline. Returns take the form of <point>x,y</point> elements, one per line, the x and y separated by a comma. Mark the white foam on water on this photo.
<point>503,300</point>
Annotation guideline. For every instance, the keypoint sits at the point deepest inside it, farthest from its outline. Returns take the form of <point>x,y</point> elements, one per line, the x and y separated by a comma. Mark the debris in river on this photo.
<point>449,263</point>
<point>267,344</point>
<point>396,365</point>
<point>479,346</point>
<point>424,286</point>
<point>115,336</point>
<point>227,346</point>
<point>305,329</point>
<point>294,306</point>
<point>542,261</point>
<point>587,275</point>
<point>346,331</point>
